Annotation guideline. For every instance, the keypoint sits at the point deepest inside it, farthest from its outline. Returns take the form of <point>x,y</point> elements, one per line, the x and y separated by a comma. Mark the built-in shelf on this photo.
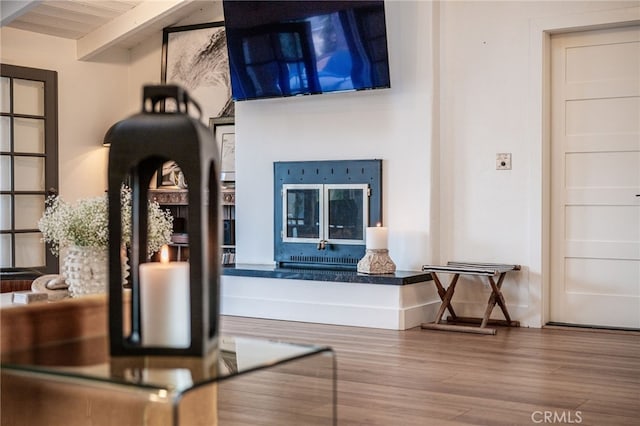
<point>176,200</point>
<point>170,196</point>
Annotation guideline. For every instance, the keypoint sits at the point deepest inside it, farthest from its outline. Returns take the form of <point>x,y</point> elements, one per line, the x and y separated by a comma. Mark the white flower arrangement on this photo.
<point>86,223</point>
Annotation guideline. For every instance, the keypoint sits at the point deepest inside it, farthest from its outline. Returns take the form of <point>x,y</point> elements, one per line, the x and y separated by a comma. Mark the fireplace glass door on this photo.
<point>330,213</point>
<point>346,211</point>
<point>303,215</point>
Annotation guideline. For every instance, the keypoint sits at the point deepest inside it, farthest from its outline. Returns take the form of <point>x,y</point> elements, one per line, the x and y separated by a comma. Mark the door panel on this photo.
<point>598,276</point>
<point>584,222</point>
<point>29,135</point>
<point>610,62</point>
<point>612,116</point>
<point>588,170</point>
<point>595,176</point>
<point>28,97</point>
<point>602,143</point>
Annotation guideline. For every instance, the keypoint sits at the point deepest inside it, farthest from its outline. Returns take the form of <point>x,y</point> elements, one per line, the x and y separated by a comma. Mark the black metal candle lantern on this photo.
<point>140,145</point>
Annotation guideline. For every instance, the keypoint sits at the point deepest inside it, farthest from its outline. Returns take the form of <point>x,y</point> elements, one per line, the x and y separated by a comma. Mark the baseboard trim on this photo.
<point>582,327</point>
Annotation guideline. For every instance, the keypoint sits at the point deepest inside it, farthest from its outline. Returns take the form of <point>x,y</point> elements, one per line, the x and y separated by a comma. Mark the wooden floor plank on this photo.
<point>426,377</point>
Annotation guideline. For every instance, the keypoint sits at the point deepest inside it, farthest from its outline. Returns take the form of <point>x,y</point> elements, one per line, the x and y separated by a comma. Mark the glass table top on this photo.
<point>89,359</point>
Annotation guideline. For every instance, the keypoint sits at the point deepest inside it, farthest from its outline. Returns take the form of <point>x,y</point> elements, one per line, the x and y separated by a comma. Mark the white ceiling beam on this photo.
<point>137,19</point>
<point>10,10</point>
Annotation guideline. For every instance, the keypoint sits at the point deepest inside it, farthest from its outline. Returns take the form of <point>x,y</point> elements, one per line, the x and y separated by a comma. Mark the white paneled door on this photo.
<point>595,178</point>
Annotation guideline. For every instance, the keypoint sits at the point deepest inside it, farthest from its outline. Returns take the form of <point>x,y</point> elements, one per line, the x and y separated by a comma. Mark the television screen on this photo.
<point>290,48</point>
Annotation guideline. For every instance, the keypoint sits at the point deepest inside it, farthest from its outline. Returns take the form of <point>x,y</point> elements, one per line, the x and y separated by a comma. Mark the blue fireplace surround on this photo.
<point>344,256</point>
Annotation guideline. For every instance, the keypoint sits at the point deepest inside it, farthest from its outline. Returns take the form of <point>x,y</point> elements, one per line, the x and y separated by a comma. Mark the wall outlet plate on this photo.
<point>503,161</point>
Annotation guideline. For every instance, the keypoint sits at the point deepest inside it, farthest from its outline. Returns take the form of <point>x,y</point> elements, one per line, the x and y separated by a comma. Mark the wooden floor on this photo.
<point>520,376</point>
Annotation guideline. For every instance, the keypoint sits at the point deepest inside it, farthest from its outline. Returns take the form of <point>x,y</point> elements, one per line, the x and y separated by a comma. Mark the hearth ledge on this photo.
<point>394,301</point>
<point>323,274</point>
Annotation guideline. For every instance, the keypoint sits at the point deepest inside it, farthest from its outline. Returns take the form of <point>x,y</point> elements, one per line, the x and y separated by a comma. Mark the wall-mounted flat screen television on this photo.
<point>290,48</point>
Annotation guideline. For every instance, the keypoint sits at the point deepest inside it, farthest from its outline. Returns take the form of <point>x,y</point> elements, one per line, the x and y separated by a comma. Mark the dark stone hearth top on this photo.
<point>335,275</point>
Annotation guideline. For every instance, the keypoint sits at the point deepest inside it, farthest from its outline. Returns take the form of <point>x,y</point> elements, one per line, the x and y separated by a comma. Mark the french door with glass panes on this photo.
<point>28,167</point>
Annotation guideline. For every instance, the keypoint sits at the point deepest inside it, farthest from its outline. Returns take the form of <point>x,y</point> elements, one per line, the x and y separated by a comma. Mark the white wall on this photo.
<point>487,68</point>
<point>91,96</point>
<point>391,124</point>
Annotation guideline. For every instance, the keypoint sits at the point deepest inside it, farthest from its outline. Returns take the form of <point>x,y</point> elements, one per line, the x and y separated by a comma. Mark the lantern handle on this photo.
<point>153,98</point>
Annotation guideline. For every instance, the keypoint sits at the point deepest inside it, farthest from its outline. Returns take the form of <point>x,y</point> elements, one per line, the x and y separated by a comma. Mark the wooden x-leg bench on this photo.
<point>489,270</point>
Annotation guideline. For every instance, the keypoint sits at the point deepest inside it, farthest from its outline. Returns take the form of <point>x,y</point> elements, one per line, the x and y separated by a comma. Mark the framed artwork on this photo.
<point>172,176</point>
<point>195,57</point>
<point>224,133</point>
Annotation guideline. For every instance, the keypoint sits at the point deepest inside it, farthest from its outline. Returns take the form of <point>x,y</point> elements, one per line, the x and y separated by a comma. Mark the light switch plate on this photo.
<point>503,161</point>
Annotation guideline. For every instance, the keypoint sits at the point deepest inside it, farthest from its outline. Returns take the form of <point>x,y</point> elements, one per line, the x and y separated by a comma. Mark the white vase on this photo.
<point>86,270</point>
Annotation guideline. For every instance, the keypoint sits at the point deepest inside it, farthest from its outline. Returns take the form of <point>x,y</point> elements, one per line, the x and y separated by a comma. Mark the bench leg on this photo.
<point>497,297</point>
<point>443,295</point>
<point>459,328</point>
<point>446,302</point>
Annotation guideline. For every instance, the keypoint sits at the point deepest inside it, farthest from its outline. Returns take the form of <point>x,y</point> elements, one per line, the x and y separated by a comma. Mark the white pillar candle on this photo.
<point>377,238</point>
<point>164,304</point>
